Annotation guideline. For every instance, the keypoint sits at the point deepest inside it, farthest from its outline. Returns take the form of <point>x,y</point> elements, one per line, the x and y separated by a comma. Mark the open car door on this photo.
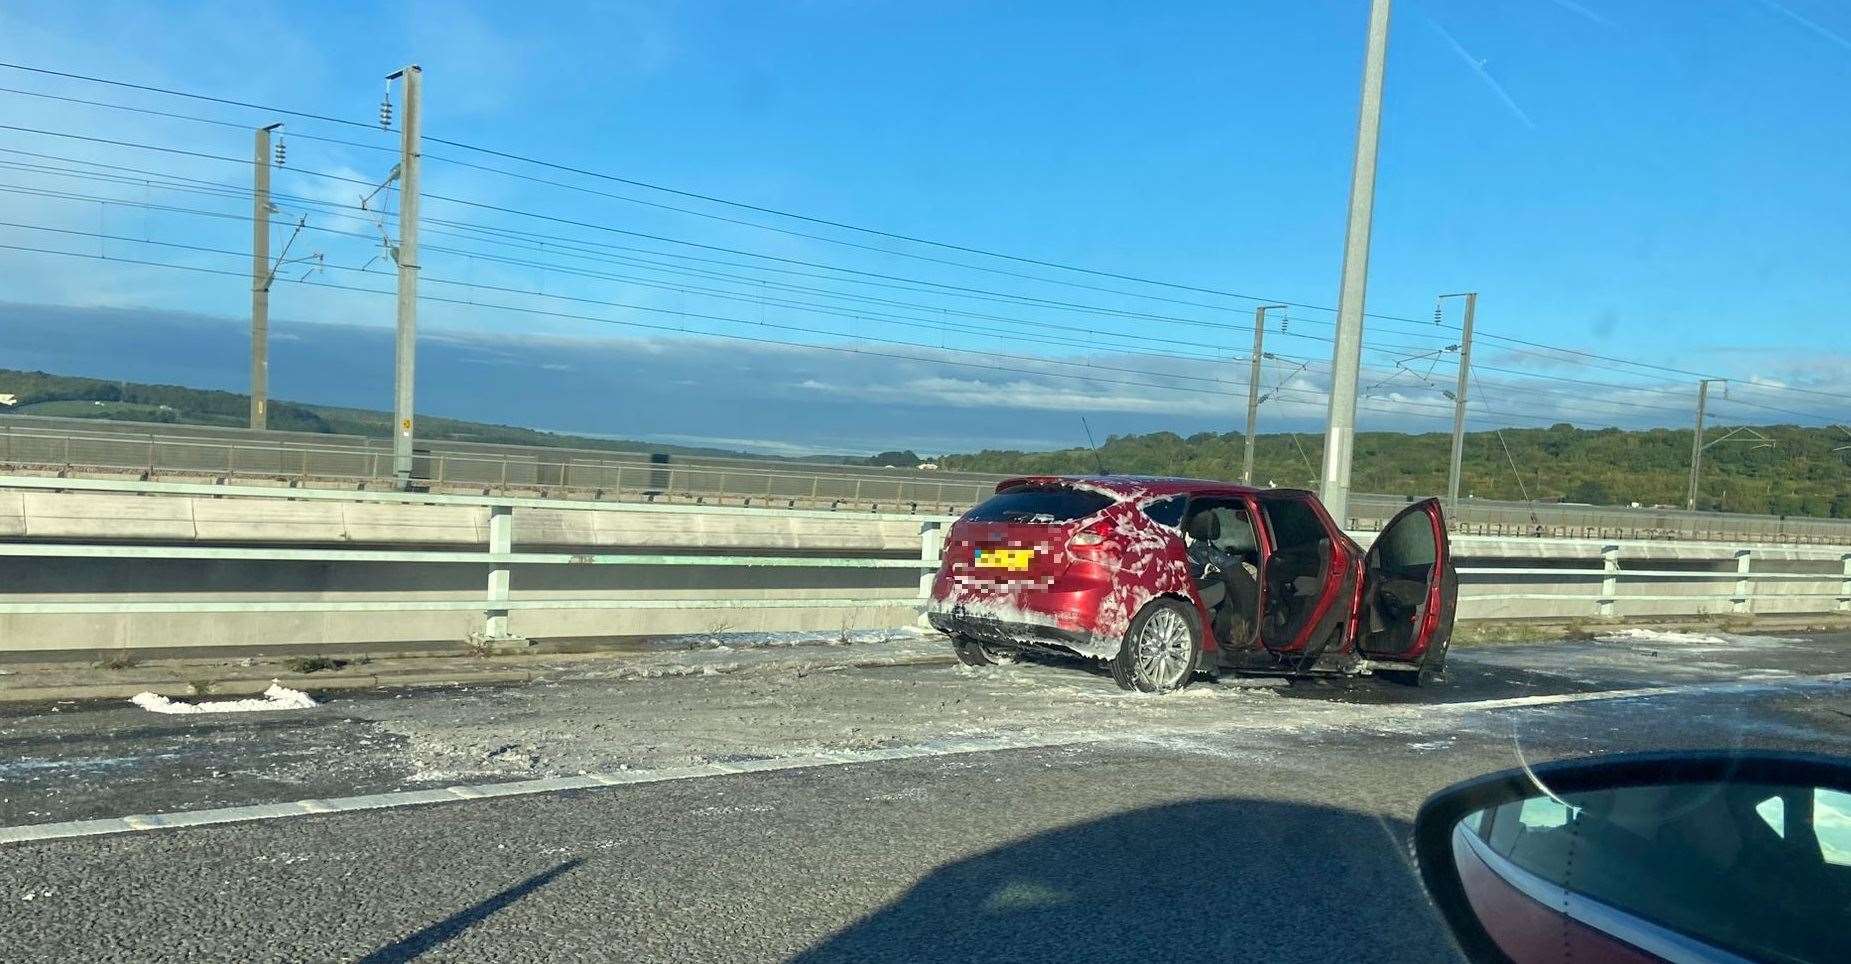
<point>1410,588</point>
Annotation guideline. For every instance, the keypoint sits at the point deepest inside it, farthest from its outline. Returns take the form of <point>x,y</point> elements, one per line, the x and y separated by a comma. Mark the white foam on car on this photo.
<point>277,697</point>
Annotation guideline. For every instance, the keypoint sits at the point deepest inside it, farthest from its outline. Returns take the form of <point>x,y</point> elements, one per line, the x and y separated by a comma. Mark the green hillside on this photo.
<point>70,396</point>
<point>1798,475</point>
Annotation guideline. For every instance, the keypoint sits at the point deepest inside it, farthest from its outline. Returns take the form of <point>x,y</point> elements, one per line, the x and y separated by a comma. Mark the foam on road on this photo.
<point>586,781</point>
<point>1149,847</point>
<point>80,763</point>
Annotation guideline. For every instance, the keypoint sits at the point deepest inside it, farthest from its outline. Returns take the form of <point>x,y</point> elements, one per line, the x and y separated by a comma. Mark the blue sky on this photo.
<point>1655,181</point>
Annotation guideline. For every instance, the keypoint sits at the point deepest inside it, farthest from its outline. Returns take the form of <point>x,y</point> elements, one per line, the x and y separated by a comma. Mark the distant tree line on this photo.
<point>198,406</point>
<point>1798,475</point>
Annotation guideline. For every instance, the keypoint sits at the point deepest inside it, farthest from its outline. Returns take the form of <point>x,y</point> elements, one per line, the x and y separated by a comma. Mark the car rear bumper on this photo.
<point>1021,635</point>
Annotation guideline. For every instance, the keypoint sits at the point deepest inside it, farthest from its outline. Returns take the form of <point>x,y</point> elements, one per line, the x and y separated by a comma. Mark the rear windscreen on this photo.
<point>1038,505</point>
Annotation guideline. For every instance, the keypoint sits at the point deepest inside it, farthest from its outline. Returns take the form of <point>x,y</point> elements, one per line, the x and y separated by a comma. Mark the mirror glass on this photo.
<point>1758,870</point>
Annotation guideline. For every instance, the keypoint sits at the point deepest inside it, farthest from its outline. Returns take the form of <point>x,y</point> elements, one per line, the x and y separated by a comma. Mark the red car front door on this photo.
<point>1410,588</point>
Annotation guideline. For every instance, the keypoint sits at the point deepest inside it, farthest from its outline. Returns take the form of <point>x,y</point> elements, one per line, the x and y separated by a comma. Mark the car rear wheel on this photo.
<point>972,652</point>
<point>1161,649</point>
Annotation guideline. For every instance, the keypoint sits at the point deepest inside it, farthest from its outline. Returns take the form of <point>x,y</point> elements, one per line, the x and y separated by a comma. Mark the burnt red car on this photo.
<point>1166,578</point>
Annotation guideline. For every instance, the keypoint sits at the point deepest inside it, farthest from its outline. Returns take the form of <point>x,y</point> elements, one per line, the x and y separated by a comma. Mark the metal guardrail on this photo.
<point>80,446</point>
<point>1739,598</point>
<point>496,603</point>
<point>499,556</point>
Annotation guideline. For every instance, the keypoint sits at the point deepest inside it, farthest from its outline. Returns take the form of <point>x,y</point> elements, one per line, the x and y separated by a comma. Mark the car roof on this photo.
<point>1125,487</point>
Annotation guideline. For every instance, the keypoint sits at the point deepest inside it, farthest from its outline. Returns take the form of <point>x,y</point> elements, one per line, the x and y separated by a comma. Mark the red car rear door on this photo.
<point>1306,578</point>
<point>1410,588</point>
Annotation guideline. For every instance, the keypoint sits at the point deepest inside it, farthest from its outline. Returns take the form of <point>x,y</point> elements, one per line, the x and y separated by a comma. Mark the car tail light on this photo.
<point>1094,538</point>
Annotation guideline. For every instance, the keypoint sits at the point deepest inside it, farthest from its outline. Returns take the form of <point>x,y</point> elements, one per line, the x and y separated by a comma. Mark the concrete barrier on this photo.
<point>348,569</point>
<point>101,564</point>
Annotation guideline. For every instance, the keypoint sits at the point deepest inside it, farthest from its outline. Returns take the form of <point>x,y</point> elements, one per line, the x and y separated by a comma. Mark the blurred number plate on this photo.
<point>1014,560</point>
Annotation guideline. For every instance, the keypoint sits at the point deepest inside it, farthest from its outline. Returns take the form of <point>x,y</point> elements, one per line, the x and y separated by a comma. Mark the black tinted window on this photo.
<point>1038,505</point>
<point>1166,512</point>
<point>1407,544</point>
<point>1293,523</point>
<point>1688,857</point>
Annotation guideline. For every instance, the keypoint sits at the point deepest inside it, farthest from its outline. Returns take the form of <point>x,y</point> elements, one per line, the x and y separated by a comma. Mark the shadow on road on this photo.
<point>1216,879</point>
<point>412,945</point>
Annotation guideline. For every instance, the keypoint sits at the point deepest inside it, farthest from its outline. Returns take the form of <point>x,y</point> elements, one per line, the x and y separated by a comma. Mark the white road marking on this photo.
<point>1730,686</point>
<point>412,798</point>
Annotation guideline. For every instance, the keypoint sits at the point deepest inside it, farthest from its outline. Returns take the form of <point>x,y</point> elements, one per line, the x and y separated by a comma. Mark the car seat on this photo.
<point>1204,526</point>
<point>1240,541</point>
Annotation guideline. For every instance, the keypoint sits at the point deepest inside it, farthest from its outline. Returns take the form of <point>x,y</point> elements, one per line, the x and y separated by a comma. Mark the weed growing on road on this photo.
<point>719,625</point>
<point>119,660</point>
<point>312,664</point>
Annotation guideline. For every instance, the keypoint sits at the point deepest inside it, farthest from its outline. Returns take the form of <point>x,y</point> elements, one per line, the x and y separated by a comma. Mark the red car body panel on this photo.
<point>1082,595</point>
<point>1528,931</point>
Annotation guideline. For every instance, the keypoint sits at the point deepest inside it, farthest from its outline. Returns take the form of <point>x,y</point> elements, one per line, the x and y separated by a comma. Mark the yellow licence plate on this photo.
<point>1014,560</point>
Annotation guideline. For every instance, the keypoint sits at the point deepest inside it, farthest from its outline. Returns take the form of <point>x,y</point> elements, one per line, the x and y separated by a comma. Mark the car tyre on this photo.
<point>973,652</point>
<point>1162,648</point>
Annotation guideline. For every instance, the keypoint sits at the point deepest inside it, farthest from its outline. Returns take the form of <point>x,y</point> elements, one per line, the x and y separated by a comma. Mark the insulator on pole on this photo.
<point>282,152</point>
<point>385,108</point>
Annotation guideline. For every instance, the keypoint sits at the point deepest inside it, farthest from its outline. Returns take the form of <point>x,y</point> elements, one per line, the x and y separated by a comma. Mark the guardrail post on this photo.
<point>932,549</point>
<point>1844,587</point>
<point>1610,584</point>
<point>500,541</point>
<point>1740,602</point>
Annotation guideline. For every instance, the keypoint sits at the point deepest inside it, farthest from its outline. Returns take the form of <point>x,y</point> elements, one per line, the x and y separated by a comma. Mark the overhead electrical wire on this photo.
<point>585,172</point>
<point>1546,349</point>
<point>918,323</point>
<point>715,200</point>
<point>612,321</point>
<point>923,323</point>
<point>1406,406</point>
<point>1007,296</point>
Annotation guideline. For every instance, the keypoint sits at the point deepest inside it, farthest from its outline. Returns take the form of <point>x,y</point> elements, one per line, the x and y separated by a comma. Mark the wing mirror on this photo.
<point>1725,856</point>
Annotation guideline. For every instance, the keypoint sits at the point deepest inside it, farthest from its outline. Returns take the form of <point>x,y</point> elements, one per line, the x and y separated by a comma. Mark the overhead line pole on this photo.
<point>404,375</point>
<point>1455,467</point>
<point>1346,358</point>
<point>260,277</point>
<point>1253,389</point>
<point>1696,441</point>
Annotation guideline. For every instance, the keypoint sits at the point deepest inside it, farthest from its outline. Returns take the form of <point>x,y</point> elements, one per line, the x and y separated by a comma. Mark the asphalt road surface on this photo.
<point>1228,821</point>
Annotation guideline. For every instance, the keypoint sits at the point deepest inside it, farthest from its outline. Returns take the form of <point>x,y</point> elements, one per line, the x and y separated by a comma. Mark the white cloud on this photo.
<point>1023,393</point>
